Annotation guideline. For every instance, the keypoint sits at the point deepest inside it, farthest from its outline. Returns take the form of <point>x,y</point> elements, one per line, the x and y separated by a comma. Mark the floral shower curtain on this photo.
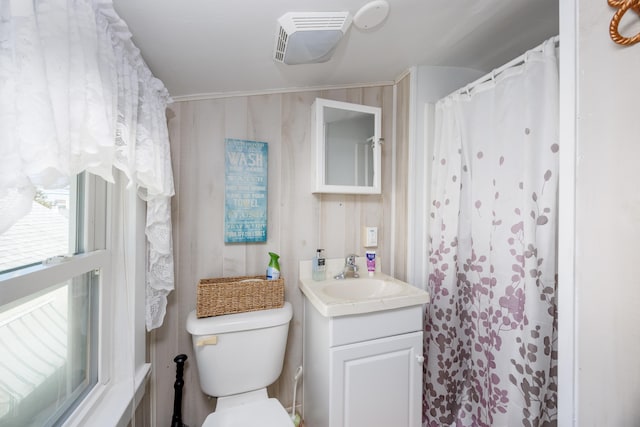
<point>491,326</point>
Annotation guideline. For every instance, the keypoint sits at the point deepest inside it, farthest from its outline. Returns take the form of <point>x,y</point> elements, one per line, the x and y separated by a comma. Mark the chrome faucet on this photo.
<point>350,267</point>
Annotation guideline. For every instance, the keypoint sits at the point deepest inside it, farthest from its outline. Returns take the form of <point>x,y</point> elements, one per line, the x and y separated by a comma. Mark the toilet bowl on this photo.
<point>237,357</point>
<point>261,411</point>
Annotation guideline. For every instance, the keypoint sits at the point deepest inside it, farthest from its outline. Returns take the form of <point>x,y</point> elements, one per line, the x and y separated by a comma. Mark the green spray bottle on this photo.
<point>273,270</point>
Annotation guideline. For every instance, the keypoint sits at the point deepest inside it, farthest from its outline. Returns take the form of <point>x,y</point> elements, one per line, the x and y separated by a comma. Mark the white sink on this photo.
<point>342,297</point>
<point>357,289</point>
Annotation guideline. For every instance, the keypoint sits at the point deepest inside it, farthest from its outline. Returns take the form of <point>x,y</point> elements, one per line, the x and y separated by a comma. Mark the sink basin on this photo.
<point>332,297</point>
<point>356,289</point>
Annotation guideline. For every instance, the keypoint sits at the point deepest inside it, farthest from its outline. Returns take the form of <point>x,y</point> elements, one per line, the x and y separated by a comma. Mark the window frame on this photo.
<point>114,235</point>
<point>33,280</point>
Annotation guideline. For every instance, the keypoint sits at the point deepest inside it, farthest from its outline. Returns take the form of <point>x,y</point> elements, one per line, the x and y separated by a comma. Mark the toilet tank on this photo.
<point>237,353</point>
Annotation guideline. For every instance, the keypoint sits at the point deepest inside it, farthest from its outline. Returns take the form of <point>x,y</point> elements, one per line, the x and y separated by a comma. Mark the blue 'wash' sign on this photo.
<point>245,213</point>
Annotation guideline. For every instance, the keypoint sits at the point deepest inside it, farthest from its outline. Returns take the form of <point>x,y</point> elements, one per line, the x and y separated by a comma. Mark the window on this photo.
<point>49,311</point>
<point>88,364</point>
<point>46,345</point>
<point>43,233</point>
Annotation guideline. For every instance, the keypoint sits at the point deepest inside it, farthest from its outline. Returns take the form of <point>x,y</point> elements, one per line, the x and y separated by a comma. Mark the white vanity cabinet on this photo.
<point>363,370</point>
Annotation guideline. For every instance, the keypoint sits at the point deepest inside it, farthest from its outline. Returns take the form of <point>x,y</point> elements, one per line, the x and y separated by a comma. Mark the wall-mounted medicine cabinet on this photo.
<point>346,147</point>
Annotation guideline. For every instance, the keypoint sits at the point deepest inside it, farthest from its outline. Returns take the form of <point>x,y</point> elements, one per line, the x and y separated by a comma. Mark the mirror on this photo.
<point>346,147</point>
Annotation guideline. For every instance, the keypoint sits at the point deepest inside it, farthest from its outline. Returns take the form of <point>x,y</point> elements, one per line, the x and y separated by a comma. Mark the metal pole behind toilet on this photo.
<point>176,420</point>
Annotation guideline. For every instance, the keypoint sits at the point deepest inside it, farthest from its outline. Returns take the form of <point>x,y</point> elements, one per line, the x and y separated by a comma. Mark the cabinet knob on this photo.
<point>420,359</point>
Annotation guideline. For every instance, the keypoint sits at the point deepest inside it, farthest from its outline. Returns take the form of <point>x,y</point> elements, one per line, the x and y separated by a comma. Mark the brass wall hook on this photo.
<point>623,6</point>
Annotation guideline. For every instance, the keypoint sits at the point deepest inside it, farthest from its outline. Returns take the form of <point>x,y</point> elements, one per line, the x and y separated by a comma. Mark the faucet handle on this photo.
<point>350,259</point>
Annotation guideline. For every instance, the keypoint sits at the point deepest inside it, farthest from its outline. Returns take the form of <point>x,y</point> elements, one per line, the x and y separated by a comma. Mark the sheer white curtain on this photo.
<point>491,326</point>
<point>76,95</point>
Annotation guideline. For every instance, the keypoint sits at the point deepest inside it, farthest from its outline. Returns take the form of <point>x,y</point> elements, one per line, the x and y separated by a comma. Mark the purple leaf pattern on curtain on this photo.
<point>491,326</point>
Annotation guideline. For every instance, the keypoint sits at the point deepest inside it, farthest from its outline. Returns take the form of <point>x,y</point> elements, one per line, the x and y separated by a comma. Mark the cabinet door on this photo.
<point>377,383</point>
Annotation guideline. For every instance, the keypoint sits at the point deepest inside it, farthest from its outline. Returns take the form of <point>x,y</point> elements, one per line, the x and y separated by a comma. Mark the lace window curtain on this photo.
<point>76,95</point>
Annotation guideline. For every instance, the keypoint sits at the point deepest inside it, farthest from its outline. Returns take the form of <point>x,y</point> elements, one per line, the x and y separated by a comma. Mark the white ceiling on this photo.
<point>214,47</point>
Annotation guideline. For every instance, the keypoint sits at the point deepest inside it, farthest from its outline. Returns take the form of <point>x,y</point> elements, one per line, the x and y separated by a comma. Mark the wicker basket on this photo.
<point>238,294</point>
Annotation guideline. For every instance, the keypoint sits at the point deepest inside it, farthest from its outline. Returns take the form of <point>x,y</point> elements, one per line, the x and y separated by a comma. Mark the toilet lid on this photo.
<point>263,413</point>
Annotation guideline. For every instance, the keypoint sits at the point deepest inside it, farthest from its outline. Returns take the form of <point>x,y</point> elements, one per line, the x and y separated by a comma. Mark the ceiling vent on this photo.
<point>310,37</point>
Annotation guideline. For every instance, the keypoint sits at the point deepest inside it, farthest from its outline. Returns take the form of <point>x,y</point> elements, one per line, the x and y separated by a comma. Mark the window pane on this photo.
<point>45,348</point>
<point>43,233</point>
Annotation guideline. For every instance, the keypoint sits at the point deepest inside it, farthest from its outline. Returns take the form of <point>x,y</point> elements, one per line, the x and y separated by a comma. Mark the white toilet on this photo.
<point>238,356</point>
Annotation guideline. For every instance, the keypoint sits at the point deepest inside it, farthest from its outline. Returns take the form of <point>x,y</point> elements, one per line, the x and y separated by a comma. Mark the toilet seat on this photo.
<point>263,413</point>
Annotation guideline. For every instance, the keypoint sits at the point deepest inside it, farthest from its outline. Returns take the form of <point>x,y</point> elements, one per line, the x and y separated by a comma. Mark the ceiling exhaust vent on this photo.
<point>309,38</point>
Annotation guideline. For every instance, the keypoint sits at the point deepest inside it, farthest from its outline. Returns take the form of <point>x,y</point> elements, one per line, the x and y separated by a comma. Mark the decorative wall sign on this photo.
<point>245,213</point>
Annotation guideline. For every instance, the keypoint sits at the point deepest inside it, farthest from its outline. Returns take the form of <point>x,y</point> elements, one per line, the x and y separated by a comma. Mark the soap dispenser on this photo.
<point>319,266</point>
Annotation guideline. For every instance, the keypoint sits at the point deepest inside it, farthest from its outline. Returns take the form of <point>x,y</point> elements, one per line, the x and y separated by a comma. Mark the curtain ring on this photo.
<point>623,6</point>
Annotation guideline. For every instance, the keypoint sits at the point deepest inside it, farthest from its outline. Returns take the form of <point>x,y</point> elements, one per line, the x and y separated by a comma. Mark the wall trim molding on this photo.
<point>277,91</point>
<point>568,357</point>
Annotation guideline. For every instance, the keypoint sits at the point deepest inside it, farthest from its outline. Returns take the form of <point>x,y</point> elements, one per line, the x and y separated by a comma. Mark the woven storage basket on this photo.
<point>229,295</point>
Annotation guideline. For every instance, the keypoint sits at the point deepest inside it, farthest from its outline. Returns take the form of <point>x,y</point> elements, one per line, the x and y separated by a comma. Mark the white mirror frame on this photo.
<point>319,148</point>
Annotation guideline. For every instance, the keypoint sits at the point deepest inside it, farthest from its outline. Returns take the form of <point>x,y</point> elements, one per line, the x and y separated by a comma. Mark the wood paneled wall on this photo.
<point>401,180</point>
<point>298,222</point>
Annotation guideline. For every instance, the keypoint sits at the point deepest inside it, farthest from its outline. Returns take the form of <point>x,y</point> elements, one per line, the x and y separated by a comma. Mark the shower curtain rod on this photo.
<point>513,63</point>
